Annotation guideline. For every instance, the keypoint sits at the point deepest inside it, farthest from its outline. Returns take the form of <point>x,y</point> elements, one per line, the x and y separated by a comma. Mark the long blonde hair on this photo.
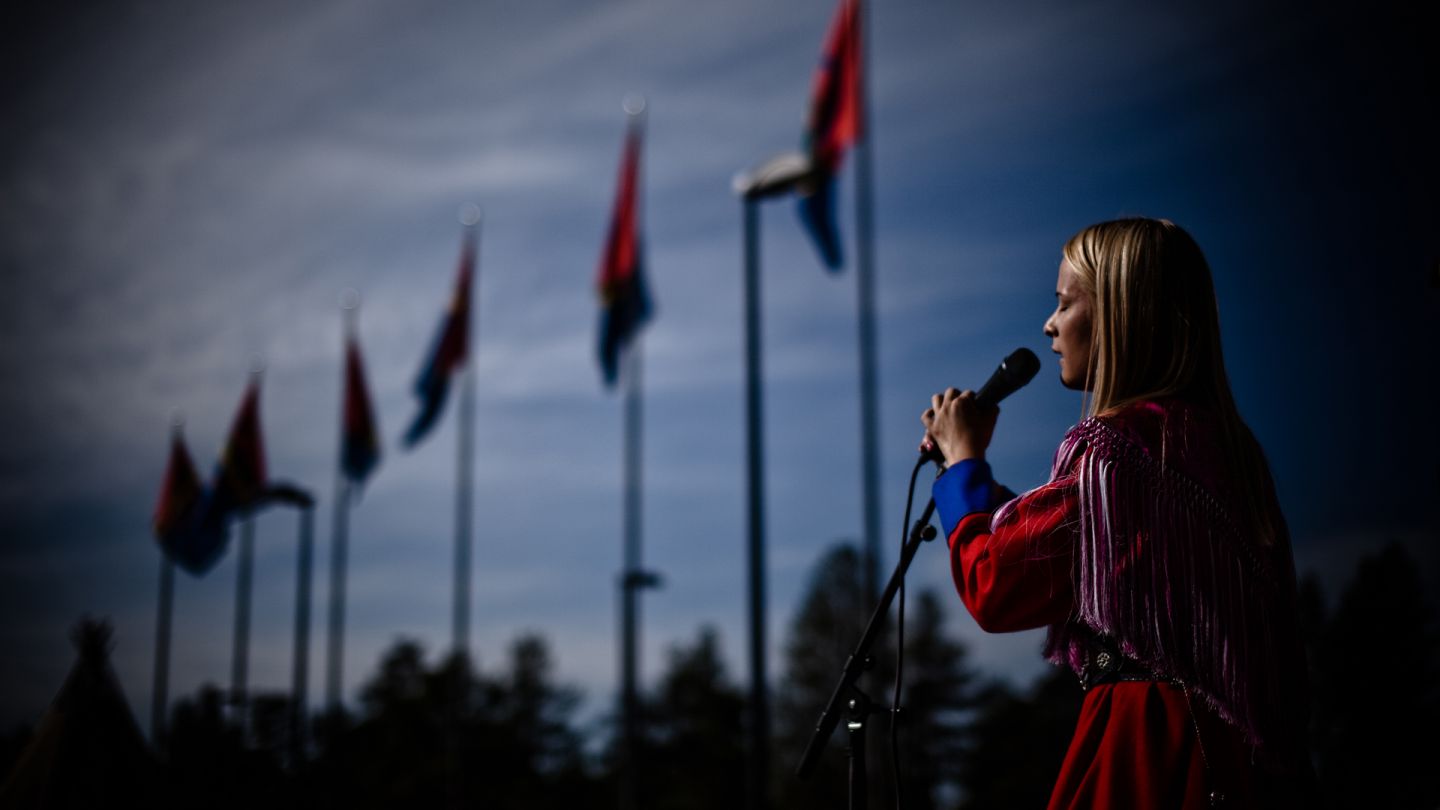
<point>1157,334</point>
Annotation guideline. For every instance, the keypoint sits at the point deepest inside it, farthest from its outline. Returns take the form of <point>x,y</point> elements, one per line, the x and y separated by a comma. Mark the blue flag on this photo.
<point>834,125</point>
<point>448,351</point>
<point>624,298</point>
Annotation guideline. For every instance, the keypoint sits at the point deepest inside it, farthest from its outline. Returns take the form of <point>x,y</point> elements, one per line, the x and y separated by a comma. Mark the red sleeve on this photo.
<point>1015,575</point>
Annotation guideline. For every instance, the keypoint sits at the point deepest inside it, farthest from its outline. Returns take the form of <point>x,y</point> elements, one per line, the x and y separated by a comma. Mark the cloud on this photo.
<point>181,197</point>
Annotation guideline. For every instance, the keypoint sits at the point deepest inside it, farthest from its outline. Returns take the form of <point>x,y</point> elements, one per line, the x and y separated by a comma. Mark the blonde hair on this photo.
<point>1157,334</point>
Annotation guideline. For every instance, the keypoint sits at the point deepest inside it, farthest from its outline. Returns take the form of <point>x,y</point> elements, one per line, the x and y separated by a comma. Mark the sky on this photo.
<point>186,189</point>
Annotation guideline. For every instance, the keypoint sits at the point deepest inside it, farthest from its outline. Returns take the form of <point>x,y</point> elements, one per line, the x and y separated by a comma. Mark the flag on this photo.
<point>192,521</point>
<point>833,126</point>
<point>180,491</point>
<point>624,299</point>
<point>360,438</point>
<point>448,351</point>
<point>240,480</point>
<point>188,530</point>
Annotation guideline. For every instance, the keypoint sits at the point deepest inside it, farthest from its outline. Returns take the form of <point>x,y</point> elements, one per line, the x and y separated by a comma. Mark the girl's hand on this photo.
<point>959,427</point>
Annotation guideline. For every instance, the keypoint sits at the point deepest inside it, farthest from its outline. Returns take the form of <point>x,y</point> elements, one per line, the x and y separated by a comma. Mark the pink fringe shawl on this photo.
<point>1162,569</point>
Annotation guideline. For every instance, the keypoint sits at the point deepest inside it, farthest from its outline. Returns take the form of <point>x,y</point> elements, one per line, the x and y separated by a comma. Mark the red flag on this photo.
<point>448,351</point>
<point>835,118</point>
<point>360,446</point>
<point>622,247</point>
<point>834,126</point>
<point>624,298</point>
<point>191,531</point>
<point>240,480</point>
<point>180,491</point>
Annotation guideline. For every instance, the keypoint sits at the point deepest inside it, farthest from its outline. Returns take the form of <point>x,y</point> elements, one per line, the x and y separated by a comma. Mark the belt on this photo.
<point>1104,663</point>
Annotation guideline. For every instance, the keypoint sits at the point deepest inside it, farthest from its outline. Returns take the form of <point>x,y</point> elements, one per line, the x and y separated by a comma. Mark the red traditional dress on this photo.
<point>1182,630</point>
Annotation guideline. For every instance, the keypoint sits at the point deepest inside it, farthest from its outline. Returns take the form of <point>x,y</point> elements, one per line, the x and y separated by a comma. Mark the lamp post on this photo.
<point>775,177</point>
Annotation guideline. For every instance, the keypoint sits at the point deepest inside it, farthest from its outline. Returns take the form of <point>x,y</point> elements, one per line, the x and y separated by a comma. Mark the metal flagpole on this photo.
<point>759,770</point>
<point>334,657</point>
<point>461,620</point>
<point>632,579</point>
<point>464,456</point>
<point>865,283</point>
<point>240,652</point>
<point>298,711</point>
<point>163,612</point>
<point>454,774</point>
<point>340,536</point>
<point>775,177</point>
<point>244,570</point>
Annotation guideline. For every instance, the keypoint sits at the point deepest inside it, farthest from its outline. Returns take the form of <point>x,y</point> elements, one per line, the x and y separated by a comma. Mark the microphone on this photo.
<point>1014,372</point>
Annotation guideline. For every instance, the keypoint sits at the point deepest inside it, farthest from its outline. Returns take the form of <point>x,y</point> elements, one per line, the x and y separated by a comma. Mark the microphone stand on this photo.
<point>847,693</point>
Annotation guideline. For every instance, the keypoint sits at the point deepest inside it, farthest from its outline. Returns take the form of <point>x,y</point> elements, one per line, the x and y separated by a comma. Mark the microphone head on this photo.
<point>1023,364</point>
<point>1015,371</point>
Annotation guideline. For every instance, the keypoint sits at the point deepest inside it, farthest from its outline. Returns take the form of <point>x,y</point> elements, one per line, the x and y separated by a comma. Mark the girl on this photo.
<point>1156,555</point>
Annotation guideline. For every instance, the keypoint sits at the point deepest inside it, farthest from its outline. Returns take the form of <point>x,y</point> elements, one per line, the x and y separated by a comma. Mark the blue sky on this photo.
<point>185,187</point>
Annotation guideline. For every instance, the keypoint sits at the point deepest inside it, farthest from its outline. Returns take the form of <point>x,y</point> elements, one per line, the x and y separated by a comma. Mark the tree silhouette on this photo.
<point>451,735</point>
<point>692,754</point>
<point>822,635</point>
<point>395,753</point>
<point>1378,674</point>
<point>209,763</point>
<point>11,746</point>
<point>533,755</point>
<point>1020,741</point>
<point>936,694</point>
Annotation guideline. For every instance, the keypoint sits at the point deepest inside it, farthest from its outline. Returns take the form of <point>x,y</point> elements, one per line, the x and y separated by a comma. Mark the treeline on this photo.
<point>447,735</point>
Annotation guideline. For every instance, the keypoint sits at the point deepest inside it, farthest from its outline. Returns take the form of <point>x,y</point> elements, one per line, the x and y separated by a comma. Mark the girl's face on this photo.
<point>1070,328</point>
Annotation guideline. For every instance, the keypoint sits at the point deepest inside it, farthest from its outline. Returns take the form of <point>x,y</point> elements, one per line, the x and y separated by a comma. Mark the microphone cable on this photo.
<point>900,639</point>
<point>1014,373</point>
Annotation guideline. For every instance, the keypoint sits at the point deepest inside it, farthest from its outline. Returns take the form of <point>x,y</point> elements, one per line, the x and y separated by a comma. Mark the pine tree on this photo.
<point>692,757</point>
<point>936,702</point>
<point>935,698</point>
<point>1378,672</point>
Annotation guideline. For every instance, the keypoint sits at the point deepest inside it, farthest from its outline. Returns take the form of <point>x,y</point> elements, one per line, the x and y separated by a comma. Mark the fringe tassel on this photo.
<point>1162,569</point>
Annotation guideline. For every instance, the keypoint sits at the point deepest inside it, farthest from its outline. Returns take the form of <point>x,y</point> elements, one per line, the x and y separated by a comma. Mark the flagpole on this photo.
<point>164,611</point>
<point>865,283</point>
<point>464,473</point>
<point>244,571</point>
<point>240,651</point>
<point>340,534</point>
<point>776,177</point>
<point>759,771</point>
<point>632,580</point>
<point>464,456</point>
<point>334,658</point>
<point>158,698</point>
<point>300,677</point>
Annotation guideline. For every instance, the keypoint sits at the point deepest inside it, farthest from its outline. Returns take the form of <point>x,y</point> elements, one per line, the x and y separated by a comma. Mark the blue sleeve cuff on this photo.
<point>963,489</point>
